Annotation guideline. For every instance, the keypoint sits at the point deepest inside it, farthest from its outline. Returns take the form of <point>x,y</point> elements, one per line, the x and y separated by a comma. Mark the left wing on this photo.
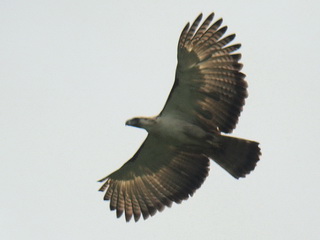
<point>157,175</point>
<point>209,88</point>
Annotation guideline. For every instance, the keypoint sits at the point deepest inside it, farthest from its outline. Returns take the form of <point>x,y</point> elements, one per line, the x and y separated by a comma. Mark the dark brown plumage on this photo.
<point>206,99</point>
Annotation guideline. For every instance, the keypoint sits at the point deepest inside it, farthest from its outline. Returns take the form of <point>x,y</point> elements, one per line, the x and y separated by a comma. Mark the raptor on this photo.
<point>206,100</point>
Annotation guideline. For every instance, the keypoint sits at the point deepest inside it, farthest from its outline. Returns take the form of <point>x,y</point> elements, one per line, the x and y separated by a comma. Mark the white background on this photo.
<point>72,73</point>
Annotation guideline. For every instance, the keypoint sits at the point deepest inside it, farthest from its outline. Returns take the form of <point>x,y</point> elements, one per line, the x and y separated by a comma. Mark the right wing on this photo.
<point>157,175</point>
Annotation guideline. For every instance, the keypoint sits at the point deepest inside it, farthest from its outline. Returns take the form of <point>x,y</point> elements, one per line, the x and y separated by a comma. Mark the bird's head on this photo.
<point>141,122</point>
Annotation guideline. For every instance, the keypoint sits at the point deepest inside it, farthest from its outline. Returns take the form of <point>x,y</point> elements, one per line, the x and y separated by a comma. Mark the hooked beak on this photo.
<point>132,122</point>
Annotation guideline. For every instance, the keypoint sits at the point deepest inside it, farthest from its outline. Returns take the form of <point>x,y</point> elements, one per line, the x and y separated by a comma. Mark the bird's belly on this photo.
<point>179,132</point>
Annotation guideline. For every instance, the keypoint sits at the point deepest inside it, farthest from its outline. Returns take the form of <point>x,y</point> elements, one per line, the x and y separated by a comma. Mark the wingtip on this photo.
<point>199,17</point>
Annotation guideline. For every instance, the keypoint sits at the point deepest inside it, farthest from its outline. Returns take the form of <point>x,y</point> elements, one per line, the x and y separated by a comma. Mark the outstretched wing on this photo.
<point>157,175</point>
<point>209,88</point>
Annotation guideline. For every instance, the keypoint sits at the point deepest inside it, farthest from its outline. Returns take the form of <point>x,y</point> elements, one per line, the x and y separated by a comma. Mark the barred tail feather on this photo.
<point>237,156</point>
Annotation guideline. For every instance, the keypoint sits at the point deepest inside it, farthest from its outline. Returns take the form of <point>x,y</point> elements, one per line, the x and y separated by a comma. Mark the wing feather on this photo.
<point>211,30</point>
<point>146,197</point>
<point>192,29</point>
<point>114,197</point>
<point>136,206</point>
<point>120,201</point>
<point>214,36</point>
<point>128,201</point>
<point>209,88</point>
<point>141,208</point>
<point>183,35</point>
<point>202,28</point>
<point>145,186</point>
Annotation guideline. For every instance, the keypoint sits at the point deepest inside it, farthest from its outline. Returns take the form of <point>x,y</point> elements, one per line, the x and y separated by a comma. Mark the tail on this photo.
<point>237,156</point>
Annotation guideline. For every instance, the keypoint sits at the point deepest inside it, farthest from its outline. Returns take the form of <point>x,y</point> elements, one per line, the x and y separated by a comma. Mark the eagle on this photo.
<point>206,100</point>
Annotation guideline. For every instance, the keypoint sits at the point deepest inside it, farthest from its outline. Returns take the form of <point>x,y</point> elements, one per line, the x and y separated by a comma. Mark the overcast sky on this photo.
<point>72,72</point>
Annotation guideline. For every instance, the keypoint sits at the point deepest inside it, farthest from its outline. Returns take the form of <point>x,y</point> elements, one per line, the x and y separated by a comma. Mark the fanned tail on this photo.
<point>237,156</point>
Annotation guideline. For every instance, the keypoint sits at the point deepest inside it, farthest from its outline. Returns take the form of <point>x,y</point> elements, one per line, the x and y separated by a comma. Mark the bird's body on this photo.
<point>206,100</point>
<point>172,130</point>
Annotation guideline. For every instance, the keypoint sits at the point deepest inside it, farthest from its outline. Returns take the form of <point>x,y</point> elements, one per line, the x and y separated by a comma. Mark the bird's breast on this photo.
<point>179,132</point>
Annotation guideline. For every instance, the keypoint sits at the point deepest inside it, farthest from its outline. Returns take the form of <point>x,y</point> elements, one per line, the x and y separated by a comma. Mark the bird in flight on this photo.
<point>205,101</point>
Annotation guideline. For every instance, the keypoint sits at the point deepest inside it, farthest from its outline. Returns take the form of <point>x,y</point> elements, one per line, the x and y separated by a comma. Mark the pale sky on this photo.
<point>72,72</point>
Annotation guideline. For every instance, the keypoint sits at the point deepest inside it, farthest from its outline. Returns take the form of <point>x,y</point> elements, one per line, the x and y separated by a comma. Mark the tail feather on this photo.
<point>237,156</point>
